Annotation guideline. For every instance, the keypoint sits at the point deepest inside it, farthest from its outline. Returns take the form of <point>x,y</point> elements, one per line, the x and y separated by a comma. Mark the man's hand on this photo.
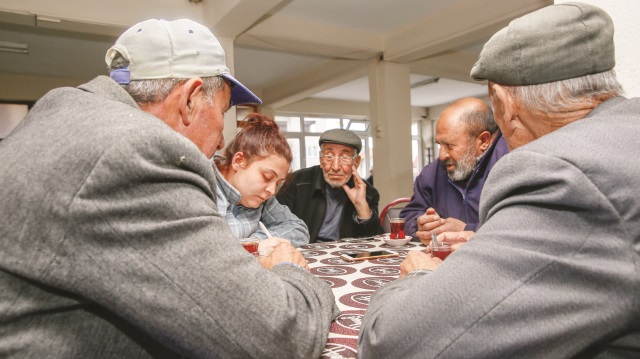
<point>418,260</point>
<point>457,239</point>
<point>269,244</point>
<point>431,222</point>
<point>284,252</point>
<point>358,194</point>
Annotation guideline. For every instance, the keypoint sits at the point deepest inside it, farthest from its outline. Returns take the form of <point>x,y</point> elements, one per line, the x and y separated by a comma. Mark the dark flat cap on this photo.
<point>341,137</point>
<point>557,42</point>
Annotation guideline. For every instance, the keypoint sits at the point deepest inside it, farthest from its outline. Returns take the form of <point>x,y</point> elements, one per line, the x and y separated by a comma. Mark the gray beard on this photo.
<point>331,183</point>
<point>464,167</point>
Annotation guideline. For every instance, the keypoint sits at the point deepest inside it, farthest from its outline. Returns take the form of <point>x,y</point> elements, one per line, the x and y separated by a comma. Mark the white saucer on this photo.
<point>396,242</point>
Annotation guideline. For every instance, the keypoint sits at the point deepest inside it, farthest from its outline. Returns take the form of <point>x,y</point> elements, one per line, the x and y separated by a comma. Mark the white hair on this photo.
<point>565,95</point>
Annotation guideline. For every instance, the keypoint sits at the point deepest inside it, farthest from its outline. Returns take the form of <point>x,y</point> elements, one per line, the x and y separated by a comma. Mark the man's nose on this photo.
<point>335,164</point>
<point>444,154</point>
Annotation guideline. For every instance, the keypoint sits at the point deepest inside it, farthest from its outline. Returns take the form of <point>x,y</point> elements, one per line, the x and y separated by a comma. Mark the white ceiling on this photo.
<point>284,50</point>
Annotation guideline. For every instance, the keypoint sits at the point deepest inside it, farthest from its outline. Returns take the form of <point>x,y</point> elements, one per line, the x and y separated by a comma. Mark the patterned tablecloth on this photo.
<point>352,283</point>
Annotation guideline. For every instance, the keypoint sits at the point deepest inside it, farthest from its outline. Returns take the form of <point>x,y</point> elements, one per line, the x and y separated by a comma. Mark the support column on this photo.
<point>390,106</point>
<point>230,117</point>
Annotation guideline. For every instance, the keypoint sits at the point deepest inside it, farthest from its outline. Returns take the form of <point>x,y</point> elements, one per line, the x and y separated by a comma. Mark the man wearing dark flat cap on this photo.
<point>552,271</point>
<point>332,199</point>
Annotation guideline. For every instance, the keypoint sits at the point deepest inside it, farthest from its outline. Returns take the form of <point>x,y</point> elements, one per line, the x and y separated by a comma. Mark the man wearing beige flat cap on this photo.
<point>110,242</point>
<point>331,198</point>
<point>552,271</point>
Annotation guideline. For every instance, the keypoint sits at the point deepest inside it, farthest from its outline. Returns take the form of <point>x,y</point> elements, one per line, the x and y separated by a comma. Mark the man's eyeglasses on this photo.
<point>343,159</point>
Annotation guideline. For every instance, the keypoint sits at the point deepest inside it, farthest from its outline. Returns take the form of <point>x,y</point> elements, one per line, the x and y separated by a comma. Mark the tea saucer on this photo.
<point>396,242</point>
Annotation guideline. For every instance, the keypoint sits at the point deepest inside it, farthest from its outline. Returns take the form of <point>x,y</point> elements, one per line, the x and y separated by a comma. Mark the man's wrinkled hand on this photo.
<point>418,260</point>
<point>284,252</point>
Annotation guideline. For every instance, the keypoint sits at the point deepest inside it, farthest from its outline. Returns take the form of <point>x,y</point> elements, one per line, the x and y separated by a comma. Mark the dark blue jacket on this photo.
<point>433,188</point>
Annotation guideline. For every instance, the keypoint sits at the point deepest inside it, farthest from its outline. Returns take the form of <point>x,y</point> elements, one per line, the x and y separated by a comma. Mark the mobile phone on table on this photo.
<point>352,257</point>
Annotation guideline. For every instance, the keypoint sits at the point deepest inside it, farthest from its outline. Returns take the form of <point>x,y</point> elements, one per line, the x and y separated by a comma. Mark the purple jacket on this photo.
<point>432,188</point>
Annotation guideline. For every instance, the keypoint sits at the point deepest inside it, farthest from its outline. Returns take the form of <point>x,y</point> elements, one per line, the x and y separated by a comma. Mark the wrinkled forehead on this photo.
<point>451,128</point>
<point>337,149</point>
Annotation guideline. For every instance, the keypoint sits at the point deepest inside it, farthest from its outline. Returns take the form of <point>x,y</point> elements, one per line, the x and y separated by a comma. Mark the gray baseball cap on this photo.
<point>341,137</point>
<point>179,49</point>
<point>557,42</point>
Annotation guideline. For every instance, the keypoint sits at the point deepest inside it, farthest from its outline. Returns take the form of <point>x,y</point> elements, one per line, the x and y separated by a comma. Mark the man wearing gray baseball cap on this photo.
<point>110,242</point>
<point>553,270</point>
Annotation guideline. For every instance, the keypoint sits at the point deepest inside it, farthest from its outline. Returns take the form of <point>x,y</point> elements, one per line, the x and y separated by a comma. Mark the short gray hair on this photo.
<point>157,90</point>
<point>564,95</point>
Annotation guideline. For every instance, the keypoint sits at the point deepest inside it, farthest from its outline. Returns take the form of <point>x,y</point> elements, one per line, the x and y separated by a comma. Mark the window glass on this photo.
<point>364,157</point>
<point>294,143</point>
<point>319,125</point>
<point>356,125</point>
<point>414,129</point>
<point>288,124</point>
<point>303,140</point>
<point>312,150</point>
<point>415,155</point>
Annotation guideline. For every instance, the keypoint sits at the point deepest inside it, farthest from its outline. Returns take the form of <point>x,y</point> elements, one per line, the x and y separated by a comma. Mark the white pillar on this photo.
<point>624,14</point>
<point>390,105</point>
<point>230,117</point>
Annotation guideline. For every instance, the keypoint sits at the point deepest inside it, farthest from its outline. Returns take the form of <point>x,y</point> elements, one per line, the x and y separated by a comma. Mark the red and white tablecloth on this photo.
<point>352,283</point>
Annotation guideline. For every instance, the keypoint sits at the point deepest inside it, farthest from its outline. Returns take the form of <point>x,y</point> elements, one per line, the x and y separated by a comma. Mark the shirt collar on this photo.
<point>232,194</point>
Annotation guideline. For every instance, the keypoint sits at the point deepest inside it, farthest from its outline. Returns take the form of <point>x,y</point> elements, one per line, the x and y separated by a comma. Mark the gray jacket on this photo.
<point>111,245</point>
<point>553,271</point>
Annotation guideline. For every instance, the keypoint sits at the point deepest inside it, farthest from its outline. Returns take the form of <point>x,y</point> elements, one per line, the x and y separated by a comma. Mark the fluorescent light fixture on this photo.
<point>426,82</point>
<point>14,47</point>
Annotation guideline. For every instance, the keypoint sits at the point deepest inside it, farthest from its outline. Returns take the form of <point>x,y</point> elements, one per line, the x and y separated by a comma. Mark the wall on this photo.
<point>624,14</point>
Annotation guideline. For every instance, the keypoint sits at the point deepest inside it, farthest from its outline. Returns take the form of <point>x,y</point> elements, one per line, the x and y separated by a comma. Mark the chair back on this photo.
<point>391,210</point>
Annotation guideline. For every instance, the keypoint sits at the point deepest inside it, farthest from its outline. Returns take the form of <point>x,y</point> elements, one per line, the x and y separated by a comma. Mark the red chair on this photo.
<point>391,211</point>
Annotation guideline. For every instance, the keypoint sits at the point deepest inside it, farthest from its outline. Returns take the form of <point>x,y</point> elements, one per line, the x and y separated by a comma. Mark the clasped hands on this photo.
<point>431,222</point>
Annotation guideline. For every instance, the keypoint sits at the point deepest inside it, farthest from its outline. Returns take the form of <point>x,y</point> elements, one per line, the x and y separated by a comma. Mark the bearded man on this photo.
<point>447,192</point>
<point>332,199</point>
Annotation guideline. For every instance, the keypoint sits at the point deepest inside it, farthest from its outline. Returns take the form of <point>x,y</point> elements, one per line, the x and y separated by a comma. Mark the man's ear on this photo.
<point>503,105</point>
<point>189,92</point>
<point>357,161</point>
<point>484,140</point>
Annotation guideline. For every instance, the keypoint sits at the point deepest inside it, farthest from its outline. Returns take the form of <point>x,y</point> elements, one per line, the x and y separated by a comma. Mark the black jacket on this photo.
<point>304,194</point>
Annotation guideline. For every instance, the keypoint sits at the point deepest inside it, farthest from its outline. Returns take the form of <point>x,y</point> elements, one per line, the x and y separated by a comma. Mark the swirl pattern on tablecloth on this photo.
<point>381,271</point>
<point>371,283</point>
<point>340,348</point>
<point>318,246</point>
<point>363,246</point>
<point>312,253</point>
<point>348,322</point>
<point>335,261</point>
<point>358,300</point>
<point>332,270</point>
<point>389,261</point>
<point>334,282</point>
